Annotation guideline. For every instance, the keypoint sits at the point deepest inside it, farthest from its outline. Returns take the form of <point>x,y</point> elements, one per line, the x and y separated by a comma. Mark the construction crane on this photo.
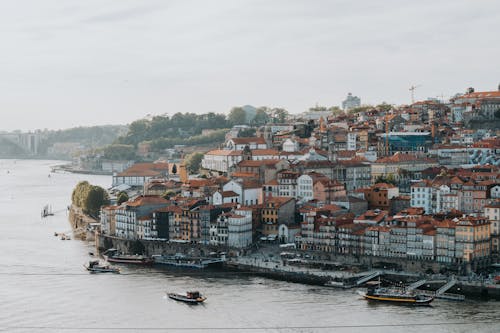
<point>412,89</point>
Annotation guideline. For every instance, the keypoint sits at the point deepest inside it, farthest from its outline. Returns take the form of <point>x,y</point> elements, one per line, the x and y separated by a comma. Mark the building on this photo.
<point>404,142</point>
<point>492,213</point>
<point>351,102</point>
<point>239,227</point>
<point>140,173</point>
<point>472,238</point>
<point>403,168</point>
<point>220,160</point>
<point>249,191</point>
<point>422,194</point>
<point>128,214</point>
<point>276,211</point>
<point>379,196</point>
<point>242,143</point>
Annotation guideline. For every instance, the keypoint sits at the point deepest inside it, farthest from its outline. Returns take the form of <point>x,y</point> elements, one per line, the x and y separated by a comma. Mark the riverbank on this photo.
<point>255,263</point>
<point>69,168</point>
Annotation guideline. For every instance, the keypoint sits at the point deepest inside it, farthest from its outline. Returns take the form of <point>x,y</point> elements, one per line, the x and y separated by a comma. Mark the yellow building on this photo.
<point>472,236</point>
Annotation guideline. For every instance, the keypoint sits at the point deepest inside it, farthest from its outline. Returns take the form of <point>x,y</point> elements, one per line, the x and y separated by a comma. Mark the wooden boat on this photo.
<point>191,297</point>
<point>95,267</point>
<point>395,295</point>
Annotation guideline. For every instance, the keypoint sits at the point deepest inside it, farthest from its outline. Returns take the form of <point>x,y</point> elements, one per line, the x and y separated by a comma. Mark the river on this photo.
<point>44,287</point>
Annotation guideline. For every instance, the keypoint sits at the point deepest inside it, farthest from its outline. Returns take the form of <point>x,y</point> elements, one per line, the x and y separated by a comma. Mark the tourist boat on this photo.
<point>180,260</point>
<point>395,295</point>
<point>112,255</point>
<point>95,267</point>
<point>191,297</point>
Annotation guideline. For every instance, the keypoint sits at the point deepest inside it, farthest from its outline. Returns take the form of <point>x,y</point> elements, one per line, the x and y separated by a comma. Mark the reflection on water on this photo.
<point>44,287</point>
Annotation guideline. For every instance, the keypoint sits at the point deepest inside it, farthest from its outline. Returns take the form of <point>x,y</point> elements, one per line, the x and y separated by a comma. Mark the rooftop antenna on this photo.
<point>412,89</point>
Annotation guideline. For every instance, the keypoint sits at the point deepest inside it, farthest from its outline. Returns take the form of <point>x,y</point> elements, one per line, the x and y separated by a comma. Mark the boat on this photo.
<point>337,284</point>
<point>191,297</point>
<point>180,260</point>
<point>395,295</point>
<point>112,255</point>
<point>46,211</point>
<point>94,266</point>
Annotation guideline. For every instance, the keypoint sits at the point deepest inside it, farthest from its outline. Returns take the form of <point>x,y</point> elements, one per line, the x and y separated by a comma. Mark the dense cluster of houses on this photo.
<point>403,182</point>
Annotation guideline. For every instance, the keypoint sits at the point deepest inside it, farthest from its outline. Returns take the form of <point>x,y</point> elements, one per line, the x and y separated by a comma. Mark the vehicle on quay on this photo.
<point>394,295</point>
<point>94,266</point>
<point>112,255</point>
<point>191,297</point>
<point>183,261</point>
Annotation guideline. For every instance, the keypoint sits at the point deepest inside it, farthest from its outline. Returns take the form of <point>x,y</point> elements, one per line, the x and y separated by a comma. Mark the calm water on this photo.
<point>43,286</point>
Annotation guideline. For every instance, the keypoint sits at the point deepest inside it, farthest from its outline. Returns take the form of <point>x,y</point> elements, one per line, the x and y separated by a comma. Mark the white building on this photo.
<point>249,193</point>
<point>219,230</point>
<point>221,160</point>
<point>290,146</point>
<point>222,197</point>
<point>240,228</point>
<point>241,143</point>
<point>421,195</point>
<point>351,140</point>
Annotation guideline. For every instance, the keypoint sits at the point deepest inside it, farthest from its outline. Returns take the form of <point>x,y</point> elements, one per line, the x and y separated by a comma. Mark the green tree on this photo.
<point>317,108</point>
<point>359,109</point>
<point>193,162</point>
<point>119,152</point>
<point>168,194</point>
<point>79,193</point>
<point>261,116</point>
<point>335,110</point>
<point>174,169</point>
<point>246,132</point>
<point>390,179</point>
<point>95,199</point>
<point>122,197</point>
<point>384,107</point>
<point>279,115</point>
<point>90,198</point>
<point>237,116</point>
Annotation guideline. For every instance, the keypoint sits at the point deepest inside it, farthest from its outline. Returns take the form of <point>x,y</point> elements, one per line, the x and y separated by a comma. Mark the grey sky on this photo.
<point>70,63</point>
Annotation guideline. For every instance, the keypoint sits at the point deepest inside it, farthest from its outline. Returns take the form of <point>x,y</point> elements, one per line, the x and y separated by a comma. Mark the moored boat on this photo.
<point>395,295</point>
<point>191,297</point>
<point>112,255</point>
<point>94,266</point>
<point>183,261</point>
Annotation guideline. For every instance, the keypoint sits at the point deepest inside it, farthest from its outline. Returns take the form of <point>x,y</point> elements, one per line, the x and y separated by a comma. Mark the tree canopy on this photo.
<point>237,116</point>
<point>119,152</point>
<point>122,197</point>
<point>178,127</point>
<point>193,162</point>
<point>90,198</point>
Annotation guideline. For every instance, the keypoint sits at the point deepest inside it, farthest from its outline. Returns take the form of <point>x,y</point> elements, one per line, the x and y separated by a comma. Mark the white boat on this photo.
<point>94,266</point>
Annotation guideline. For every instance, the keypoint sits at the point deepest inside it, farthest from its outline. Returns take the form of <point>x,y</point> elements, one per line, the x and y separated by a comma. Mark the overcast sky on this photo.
<point>67,63</point>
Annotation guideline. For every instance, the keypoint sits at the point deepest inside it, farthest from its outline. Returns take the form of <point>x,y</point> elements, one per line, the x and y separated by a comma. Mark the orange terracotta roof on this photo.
<point>251,163</point>
<point>147,200</point>
<point>241,141</point>
<point>257,152</point>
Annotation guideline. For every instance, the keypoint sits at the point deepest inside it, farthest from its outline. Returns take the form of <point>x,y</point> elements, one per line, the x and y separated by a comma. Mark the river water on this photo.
<point>44,287</point>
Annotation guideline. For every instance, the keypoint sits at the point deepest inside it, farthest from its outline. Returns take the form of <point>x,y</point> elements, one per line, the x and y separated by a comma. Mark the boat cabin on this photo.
<point>193,294</point>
